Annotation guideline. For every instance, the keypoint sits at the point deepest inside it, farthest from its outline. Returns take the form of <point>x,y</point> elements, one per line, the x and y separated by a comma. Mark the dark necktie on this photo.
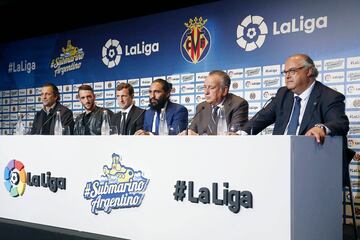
<point>214,113</point>
<point>157,122</point>
<point>122,124</point>
<point>294,121</point>
<point>213,122</point>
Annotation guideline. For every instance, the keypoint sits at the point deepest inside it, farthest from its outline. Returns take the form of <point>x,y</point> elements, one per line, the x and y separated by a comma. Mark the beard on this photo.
<point>158,104</point>
<point>89,106</point>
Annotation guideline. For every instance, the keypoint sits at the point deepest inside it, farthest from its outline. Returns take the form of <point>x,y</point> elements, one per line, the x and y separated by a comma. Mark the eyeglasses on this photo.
<point>291,71</point>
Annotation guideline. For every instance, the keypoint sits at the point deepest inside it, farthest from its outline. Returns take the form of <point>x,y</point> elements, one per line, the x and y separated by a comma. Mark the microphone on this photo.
<point>51,117</point>
<point>191,120</point>
<point>257,114</point>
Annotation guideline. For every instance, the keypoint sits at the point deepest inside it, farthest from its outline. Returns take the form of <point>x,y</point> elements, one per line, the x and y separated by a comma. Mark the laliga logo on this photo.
<point>111,53</point>
<point>15,178</point>
<point>251,33</point>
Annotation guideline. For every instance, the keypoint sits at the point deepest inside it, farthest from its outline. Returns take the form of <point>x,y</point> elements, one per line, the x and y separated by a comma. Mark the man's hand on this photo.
<point>232,134</point>
<point>356,157</point>
<point>190,132</point>
<point>141,132</point>
<point>319,134</point>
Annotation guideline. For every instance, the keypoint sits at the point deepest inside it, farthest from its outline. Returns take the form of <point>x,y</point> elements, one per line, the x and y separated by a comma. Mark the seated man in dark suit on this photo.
<point>130,118</point>
<point>304,107</point>
<point>159,98</point>
<point>44,121</point>
<point>89,122</point>
<point>216,91</point>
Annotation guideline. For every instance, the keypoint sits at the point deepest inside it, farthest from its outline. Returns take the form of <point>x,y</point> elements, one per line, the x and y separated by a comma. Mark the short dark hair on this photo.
<point>54,89</point>
<point>86,88</point>
<point>128,86</point>
<point>165,84</point>
<point>225,78</point>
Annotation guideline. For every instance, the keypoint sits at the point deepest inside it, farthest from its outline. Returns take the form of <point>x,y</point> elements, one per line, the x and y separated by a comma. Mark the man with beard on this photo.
<point>89,122</point>
<point>44,121</point>
<point>159,97</point>
<point>130,118</point>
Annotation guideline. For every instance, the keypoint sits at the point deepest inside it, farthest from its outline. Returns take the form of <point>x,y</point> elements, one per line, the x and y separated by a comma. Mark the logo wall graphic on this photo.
<point>69,60</point>
<point>111,53</point>
<point>195,42</point>
<point>118,187</point>
<point>22,66</point>
<point>15,178</point>
<point>251,33</point>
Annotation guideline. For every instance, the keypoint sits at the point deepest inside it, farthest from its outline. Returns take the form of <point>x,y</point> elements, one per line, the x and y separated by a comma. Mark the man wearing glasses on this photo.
<point>304,107</point>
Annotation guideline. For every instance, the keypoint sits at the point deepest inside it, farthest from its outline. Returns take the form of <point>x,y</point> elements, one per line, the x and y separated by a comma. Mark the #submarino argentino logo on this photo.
<point>118,187</point>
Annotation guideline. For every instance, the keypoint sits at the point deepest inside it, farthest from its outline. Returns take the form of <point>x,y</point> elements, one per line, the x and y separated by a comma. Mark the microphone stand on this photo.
<point>196,114</point>
<point>257,114</point>
<point>134,122</point>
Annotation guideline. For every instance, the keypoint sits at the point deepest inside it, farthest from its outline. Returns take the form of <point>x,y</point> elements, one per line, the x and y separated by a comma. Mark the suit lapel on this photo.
<point>212,125</point>
<point>129,117</point>
<point>169,112</point>
<point>285,111</point>
<point>310,107</point>
<point>53,117</point>
<point>150,119</point>
<point>227,107</point>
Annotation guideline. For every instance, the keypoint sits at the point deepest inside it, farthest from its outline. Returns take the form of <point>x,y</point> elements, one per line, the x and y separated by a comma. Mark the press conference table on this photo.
<point>171,187</point>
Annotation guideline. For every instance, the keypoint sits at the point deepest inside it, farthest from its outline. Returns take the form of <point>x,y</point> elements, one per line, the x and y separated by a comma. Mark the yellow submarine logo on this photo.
<point>69,60</point>
<point>118,173</point>
<point>70,50</point>
<point>119,187</point>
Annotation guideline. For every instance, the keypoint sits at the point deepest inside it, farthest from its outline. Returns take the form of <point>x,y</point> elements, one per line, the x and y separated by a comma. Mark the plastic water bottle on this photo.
<point>163,127</point>
<point>58,124</point>
<point>105,126</point>
<point>20,127</point>
<point>222,125</point>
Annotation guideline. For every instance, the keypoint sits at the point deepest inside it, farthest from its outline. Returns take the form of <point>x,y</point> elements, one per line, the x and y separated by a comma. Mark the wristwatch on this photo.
<point>320,125</point>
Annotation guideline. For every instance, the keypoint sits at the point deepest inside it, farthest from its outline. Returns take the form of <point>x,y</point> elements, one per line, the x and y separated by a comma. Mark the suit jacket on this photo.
<point>66,119</point>
<point>236,111</point>
<point>94,123</point>
<point>134,120</point>
<point>325,106</point>
<point>176,117</point>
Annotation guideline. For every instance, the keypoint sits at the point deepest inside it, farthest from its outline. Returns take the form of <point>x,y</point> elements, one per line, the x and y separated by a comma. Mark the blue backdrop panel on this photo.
<point>249,39</point>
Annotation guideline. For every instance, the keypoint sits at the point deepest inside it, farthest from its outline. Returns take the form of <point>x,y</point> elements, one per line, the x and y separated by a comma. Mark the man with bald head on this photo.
<point>304,107</point>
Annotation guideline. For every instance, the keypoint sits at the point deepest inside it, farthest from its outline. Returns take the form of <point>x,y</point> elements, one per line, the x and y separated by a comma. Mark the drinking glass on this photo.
<point>114,130</point>
<point>234,127</point>
<point>66,130</point>
<point>27,130</point>
<point>174,130</point>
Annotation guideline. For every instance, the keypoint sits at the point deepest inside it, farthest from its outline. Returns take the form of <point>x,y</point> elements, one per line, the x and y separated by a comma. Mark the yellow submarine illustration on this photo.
<point>70,50</point>
<point>118,172</point>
